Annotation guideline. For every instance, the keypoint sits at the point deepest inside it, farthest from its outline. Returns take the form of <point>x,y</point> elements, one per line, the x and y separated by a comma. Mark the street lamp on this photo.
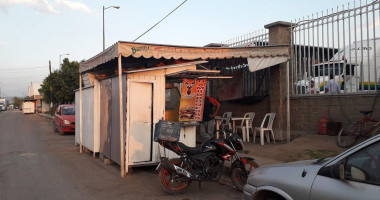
<point>60,58</point>
<point>117,7</point>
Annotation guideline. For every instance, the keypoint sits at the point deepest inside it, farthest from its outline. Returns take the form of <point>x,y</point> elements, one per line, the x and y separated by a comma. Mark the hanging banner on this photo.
<point>192,100</point>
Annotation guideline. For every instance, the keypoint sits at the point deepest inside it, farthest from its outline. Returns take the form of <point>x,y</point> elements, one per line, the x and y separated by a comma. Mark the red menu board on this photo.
<point>192,99</point>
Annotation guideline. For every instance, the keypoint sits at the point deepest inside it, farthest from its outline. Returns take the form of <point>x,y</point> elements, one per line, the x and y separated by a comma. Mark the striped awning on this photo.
<point>138,50</point>
<point>259,63</point>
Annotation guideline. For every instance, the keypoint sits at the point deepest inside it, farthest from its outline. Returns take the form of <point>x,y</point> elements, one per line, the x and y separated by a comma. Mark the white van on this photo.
<point>353,67</point>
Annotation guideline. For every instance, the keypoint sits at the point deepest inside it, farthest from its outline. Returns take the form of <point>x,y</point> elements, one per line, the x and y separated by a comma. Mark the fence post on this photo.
<point>280,34</point>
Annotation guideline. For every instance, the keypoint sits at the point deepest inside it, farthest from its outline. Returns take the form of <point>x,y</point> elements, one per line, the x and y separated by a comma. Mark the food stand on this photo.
<point>141,75</point>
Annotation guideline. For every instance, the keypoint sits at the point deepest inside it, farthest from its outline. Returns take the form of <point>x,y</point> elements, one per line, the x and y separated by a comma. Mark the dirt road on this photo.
<point>36,163</point>
<point>305,147</point>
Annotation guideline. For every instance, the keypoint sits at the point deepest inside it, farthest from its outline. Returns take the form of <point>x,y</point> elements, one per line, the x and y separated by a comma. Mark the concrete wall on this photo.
<point>307,111</point>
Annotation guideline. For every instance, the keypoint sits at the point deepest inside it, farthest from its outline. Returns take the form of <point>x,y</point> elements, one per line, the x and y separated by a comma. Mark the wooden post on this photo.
<point>287,103</point>
<point>123,169</point>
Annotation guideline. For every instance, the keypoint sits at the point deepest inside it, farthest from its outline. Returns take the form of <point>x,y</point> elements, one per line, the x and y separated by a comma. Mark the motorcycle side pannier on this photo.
<point>167,131</point>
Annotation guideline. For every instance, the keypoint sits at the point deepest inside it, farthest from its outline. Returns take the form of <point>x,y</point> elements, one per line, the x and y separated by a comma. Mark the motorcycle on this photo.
<point>204,163</point>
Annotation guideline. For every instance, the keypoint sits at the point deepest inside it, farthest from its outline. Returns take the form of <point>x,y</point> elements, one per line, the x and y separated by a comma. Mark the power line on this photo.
<point>17,77</point>
<point>160,21</point>
<point>25,68</point>
<point>23,71</point>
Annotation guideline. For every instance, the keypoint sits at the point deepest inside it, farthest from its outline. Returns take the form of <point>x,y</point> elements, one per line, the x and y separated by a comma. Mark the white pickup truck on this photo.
<point>356,67</point>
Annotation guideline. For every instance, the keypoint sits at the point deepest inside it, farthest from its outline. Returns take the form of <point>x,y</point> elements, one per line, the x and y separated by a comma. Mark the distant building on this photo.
<point>33,90</point>
<point>3,102</point>
<point>35,97</point>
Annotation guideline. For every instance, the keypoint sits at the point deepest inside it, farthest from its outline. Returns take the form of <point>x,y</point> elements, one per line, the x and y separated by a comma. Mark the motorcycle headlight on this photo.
<point>66,122</point>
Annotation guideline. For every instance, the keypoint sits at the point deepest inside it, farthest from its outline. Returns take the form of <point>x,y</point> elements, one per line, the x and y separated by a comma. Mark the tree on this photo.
<point>59,86</point>
<point>17,102</point>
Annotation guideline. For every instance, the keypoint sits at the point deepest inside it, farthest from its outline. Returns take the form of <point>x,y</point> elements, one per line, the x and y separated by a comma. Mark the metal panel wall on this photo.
<point>105,117</point>
<point>77,124</point>
<point>109,117</point>
<point>87,119</point>
<point>115,122</point>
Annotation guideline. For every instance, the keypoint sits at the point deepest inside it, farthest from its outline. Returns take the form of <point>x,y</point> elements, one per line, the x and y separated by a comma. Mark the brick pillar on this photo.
<point>279,34</point>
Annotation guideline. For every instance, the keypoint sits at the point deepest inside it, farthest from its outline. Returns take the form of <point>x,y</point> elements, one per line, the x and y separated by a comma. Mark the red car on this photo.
<point>64,119</point>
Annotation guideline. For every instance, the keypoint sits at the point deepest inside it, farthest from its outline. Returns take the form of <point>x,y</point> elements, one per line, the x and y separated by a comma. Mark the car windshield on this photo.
<point>68,111</point>
<point>330,68</point>
<point>333,68</point>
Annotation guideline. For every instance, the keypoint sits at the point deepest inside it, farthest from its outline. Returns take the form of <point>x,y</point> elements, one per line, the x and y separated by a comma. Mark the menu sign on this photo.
<point>192,99</point>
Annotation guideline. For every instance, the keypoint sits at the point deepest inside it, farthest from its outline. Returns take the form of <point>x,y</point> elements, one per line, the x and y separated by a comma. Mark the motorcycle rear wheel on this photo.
<point>170,182</point>
<point>238,176</point>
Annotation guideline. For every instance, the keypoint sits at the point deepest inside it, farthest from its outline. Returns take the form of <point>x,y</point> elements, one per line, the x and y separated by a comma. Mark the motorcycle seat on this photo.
<point>190,150</point>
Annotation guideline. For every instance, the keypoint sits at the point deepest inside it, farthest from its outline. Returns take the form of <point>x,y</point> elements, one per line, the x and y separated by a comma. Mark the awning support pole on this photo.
<point>80,113</point>
<point>121,113</point>
<point>287,104</point>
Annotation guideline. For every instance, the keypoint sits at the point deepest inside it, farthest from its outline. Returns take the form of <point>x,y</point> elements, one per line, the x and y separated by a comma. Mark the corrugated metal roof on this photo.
<point>157,51</point>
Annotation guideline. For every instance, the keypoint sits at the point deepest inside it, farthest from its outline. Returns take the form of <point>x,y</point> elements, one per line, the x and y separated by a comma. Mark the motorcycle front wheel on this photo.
<point>173,183</point>
<point>239,176</point>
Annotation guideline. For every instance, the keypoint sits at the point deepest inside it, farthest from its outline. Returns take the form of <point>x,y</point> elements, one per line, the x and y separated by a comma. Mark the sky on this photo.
<point>32,32</point>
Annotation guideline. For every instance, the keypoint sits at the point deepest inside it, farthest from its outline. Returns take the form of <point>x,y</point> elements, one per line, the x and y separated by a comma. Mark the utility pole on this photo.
<point>104,45</point>
<point>104,37</point>
<point>51,90</point>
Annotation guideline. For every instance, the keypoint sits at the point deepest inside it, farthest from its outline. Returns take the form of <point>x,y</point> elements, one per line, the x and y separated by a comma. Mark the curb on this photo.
<point>45,115</point>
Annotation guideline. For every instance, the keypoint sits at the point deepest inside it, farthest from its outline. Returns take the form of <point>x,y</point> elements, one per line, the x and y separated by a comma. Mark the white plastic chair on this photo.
<point>226,121</point>
<point>246,125</point>
<point>263,129</point>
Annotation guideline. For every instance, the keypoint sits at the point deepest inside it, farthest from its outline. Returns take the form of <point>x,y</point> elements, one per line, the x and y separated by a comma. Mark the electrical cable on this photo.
<point>374,102</point>
<point>160,21</point>
<point>24,71</point>
<point>25,68</point>
<point>328,108</point>
<point>345,115</point>
<point>341,108</point>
